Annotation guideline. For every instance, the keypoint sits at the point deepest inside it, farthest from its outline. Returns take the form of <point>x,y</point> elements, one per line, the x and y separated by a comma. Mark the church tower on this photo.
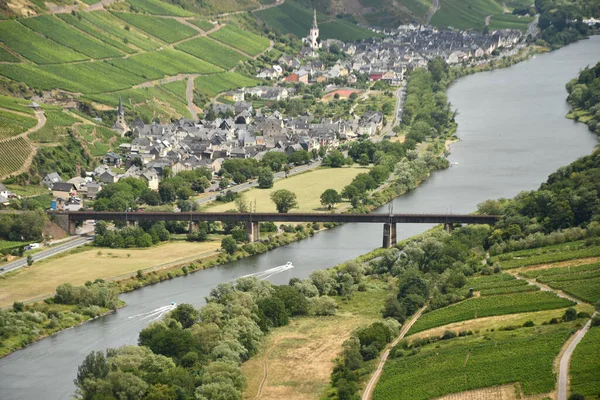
<point>314,33</point>
<point>120,124</point>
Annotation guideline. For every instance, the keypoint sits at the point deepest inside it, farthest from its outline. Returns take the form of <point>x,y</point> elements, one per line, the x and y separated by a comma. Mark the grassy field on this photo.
<point>61,32</point>
<point>13,124</point>
<point>525,356</point>
<point>308,188</point>
<point>212,51</point>
<point>245,41</point>
<point>165,29</point>
<point>488,306</point>
<point>585,365</point>
<point>215,84</point>
<point>13,154</point>
<point>300,355</point>
<point>35,47</point>
<point>42,278</point>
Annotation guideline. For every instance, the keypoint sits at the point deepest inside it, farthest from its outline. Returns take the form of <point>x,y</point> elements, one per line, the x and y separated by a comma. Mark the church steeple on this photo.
<point>315,19</point>
<point>120,108</point>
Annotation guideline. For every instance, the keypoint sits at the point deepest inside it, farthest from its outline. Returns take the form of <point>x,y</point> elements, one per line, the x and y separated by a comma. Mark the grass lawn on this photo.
<point>29,190</point>
<point>308,187</point>
<point>42,278</point>
<point>300,355</point>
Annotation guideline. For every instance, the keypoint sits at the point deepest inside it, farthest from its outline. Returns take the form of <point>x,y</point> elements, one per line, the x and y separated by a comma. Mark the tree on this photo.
<point>29,260</point>
<point>334,159</point>
<point>185,314</point>
<point>224,183</point>
<point>363,160</point>
<point>330,197</point>
<point>229,245</point>
<point>284,200</point>
<point>265,178</point>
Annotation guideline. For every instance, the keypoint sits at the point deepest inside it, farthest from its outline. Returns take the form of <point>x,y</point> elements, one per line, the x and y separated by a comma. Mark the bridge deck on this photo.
<point>276,217</point>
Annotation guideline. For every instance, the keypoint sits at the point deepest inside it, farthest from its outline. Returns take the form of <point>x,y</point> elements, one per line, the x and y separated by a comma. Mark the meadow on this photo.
<point>456,365</point>
<point>488,306</point>
<point>92,30</point>
<point>13,154</point>
<point>32,46</point>
<point>212,51</point>
<point>585,365</point>
<point>61,32</point>
<point>12,124</point>
<point>245,41</point>
<point>166,29</point>
<point>308,188</point>
<point>218,83</point>
<point>42,278</point>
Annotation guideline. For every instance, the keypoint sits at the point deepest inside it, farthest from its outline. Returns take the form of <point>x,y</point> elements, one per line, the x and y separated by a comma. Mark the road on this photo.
<point>435,5</point>
<point>71,244</point>
<point>388,130</point>
<point>251,184</point>
<point>375,377</point>
<point>563,372</point>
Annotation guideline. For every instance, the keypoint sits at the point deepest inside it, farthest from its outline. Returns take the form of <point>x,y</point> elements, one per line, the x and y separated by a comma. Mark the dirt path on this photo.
<point>565,361</point>
<point>189,94</point>
<point>432,10</point>
<point>265,364</point>
<point>368,392</point>
<point>546,288</point>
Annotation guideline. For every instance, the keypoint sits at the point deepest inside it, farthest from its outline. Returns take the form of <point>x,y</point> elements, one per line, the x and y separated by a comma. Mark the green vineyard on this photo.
<point>13,153</point>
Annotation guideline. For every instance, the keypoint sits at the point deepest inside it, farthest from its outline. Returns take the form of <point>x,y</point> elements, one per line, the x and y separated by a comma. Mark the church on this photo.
<point>120,125</point>
<point>312,40</point>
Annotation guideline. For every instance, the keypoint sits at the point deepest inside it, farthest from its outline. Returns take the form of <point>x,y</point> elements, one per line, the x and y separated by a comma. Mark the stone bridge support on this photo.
<point>389,235</point>
<point>65,223</point>
<point>194,227</point>
<point>252,232</point>
<point>448,227</point>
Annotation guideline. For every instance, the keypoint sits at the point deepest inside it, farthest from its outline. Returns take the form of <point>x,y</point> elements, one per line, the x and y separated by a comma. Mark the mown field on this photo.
<point>12,124</point>
<point>581,281</point>
<point>212,51</point>
<point>488,306</point>
<point>218,83</point>
<point>307,187</point>
<point>585,365</point>
<point>166,29</point>
<point>547,255</point>
<point>34,47</point>
<point>456,365</point>
<point>13,154</point>
<point>61,32</point>
<point>245,41</point>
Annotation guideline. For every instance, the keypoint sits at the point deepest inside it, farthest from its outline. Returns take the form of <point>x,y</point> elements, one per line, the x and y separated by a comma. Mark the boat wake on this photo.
<point>270,272</point>
<point>154,314</point>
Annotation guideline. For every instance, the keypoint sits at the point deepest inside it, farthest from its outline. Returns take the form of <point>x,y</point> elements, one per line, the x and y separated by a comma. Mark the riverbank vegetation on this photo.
<point>584,98</point>
<point>561,22</point>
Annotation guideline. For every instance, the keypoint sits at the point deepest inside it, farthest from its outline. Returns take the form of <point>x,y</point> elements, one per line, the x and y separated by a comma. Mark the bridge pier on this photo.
<point>194,227</point>
<point>448,227</point>
<point>389,235</point>
<point>252,232</point>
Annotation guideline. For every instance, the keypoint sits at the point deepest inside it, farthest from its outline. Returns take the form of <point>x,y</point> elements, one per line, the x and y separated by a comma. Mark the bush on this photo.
<point>528,324</point>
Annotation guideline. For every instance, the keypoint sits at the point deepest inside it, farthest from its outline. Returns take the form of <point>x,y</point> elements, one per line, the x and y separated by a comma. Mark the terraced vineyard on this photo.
<point>489,306</point>
<point>13,124</point>
<point>165,29</point>
<point>547,255</point>
<point>472,362</point>
<point>212,51</point>
<point>245,41</point>
<point>87,27</point>
<point>61,32</point>
<point>13,153</point>
<point>7,56</point>
<point>499,284</point>
<point>465,15</point>
<point>15,104</point>
<point>56,123</point>
<point>215,84</point>
<point>202,24</point>
<point>159,8</point>
<point>585,365</point>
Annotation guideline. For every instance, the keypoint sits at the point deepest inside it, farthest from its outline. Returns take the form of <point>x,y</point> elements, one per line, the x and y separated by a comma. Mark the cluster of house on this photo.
<point>5,195</point>
<point>68,195</point>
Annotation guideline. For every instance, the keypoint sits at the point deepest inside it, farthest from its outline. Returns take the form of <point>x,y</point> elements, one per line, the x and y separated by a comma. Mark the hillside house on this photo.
<point>63,190</point>
<point>50,179</point>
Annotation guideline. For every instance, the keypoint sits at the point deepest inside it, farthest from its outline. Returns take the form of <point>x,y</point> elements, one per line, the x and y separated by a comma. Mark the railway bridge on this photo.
<point>68,220</point>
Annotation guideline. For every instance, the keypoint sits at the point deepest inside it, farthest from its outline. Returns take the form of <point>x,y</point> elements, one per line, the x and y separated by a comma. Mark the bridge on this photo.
<point>68,220</point>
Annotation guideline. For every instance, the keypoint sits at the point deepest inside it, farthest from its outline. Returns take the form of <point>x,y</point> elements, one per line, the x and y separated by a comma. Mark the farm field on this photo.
<point>13,154</point>
<point>525,355</point>
<point>488,306</point>
<point>300,355</point>
<point>56,122</point>
<point>42,278</point>
<point>509,21</point>
<point>61,32</point>
<point>581,281</point>
<point>212,51</point>
<point>202,24</point>
<point>15,104</point>
<point>34,77</point>
<point>245,41</point>
<point>585,365</point>
<point>13,124</point>
<point>165,29</point>
<point>106,22</point>
<point>7,56</point>
<point>547,255</point>
<point>499,284</point>
<point>563,273</point>
<point>465,15</point>
<point>91,30</point>
<point>93,77</point>
<point>307,187</point>
<point>38,49</point>
<point>215,84</point>
<point>344,31</point>
<point>157,7</point>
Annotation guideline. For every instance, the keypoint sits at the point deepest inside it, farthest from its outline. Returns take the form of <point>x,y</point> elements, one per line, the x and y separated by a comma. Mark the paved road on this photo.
<point>563,372</point>
<point>71,244</point>
<point>251,184</point>
<point>388,131</point>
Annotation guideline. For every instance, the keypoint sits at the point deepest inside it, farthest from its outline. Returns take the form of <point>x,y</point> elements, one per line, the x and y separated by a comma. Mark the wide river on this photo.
<point>513,134</point>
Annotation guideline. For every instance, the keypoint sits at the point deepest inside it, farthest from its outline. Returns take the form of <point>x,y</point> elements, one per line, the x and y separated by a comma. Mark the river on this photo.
<point>513,134</point>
